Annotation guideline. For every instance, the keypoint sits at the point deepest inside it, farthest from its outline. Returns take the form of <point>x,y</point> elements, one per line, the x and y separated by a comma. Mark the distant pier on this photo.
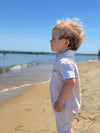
<point>24,52</point>
<point>51,53</point>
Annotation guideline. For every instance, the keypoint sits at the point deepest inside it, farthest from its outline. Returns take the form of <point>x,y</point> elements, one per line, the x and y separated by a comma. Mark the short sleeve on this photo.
<point>67,70</point>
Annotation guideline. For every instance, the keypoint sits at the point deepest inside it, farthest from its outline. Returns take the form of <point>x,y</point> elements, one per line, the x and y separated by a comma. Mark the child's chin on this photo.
<point>53,50</point>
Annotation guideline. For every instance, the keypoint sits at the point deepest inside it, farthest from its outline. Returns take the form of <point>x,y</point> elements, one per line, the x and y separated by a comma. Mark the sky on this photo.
<point>26,25</point>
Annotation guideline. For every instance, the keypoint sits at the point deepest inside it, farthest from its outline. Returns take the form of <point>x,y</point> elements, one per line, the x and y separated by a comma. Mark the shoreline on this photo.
<point>18,81</point>
<point>31,110</point>
<point>6,93</point>
<point>11,92</point>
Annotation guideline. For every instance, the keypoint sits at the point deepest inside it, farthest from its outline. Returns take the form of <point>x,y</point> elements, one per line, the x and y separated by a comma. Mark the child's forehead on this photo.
<point>55,31</point>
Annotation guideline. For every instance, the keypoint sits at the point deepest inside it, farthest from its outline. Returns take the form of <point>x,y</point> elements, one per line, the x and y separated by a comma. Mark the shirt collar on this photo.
<point>68,53</point>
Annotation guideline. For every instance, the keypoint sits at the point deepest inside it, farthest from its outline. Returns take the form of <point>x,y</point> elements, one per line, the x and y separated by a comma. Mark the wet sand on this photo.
<point>31,111</point>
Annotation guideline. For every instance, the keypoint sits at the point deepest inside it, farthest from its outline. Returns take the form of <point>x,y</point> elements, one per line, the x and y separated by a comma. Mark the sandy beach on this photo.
<point>31,111</point>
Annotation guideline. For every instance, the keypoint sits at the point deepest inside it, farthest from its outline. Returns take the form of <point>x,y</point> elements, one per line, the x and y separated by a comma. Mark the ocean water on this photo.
<point>20,71</point>
<point>18,61</point>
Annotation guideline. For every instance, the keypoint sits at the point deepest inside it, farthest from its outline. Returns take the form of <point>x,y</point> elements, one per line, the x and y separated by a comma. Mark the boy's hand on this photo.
<point>64,94</point>
<point>58,106</point>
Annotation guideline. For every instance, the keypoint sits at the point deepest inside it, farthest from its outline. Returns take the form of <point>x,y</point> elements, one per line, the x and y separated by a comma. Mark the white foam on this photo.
<point>4,90</point>
<point>16,87</point>
<point>17,67</point>
<point>44,82</point>
<point>92,60</point>
<point>21,86</point>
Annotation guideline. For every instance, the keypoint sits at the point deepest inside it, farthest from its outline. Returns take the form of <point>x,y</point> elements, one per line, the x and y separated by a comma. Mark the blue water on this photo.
<point>19,71</point>
<point>10,60</point>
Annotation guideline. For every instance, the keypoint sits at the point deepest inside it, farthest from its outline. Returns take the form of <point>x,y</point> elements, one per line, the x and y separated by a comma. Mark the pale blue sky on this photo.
<point>25,25</point>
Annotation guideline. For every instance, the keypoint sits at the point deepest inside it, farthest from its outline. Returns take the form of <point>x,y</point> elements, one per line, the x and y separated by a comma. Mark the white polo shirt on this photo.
<point>65,68</point>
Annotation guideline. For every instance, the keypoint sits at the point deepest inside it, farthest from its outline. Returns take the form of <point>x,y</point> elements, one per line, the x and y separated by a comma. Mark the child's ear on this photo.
<point>67,42</point>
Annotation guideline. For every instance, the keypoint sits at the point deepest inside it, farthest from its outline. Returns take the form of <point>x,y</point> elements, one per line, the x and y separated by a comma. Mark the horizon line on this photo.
<point>41,52</point>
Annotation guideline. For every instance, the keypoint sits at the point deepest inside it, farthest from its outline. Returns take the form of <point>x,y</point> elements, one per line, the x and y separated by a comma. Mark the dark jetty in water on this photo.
<point>29,52</point>
<point>24,52</point>
<point>99,54</point>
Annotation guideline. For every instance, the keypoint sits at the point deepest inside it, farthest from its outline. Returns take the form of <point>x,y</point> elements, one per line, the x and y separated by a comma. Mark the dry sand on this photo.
<point>31,111</point>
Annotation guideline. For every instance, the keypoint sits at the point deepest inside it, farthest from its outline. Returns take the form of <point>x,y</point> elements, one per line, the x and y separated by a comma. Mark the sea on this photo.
<point>20,71</point>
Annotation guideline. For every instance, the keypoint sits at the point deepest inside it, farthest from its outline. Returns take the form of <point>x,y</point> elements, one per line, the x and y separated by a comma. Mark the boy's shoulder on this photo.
<point>65,61</point>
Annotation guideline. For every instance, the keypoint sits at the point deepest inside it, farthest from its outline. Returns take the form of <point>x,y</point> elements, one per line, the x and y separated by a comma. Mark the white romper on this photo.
<point>65,68</point>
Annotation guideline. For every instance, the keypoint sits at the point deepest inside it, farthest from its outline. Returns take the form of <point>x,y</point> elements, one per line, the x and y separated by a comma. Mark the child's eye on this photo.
<point>53,39</point>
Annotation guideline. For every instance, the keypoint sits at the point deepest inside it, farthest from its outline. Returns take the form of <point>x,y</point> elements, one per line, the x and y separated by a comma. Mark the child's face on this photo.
<point>57,45</point>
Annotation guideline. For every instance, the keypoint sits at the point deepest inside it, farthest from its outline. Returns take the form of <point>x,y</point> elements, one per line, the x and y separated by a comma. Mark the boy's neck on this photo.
<point>61,52</point>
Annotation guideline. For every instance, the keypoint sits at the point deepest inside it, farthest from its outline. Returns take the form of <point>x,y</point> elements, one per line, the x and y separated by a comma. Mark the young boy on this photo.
<point>67,36</point>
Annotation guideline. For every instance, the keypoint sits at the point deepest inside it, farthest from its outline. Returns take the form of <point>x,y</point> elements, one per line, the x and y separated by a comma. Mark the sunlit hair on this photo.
<point>72,31</point>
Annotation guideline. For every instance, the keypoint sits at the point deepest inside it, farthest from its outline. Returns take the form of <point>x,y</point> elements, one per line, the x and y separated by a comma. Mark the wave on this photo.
<point>7,93</point>
<point>17,67</point>
<point>44,81</point>
<point>16,87</point>
<point>91,60</point>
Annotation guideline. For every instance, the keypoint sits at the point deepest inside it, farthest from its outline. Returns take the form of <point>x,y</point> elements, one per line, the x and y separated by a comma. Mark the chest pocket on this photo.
<point>54,70</point>
<point>55,73</point>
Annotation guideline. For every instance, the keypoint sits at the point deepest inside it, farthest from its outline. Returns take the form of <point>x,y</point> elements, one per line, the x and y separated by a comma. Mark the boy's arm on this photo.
<point>64,94</point>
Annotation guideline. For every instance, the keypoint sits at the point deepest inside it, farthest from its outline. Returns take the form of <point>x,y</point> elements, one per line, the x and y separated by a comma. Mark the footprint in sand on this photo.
<point>28,109</point>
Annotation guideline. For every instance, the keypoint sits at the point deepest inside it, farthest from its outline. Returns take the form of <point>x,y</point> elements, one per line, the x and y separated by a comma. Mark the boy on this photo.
<point>67,36</point>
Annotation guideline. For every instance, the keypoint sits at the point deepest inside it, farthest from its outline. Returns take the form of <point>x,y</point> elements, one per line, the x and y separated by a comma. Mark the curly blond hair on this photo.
<point>72,31</point>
